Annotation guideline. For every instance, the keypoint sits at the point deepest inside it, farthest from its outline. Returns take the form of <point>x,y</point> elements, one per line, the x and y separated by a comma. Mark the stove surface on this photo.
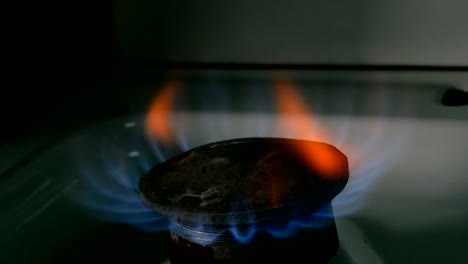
<point>74,200</point>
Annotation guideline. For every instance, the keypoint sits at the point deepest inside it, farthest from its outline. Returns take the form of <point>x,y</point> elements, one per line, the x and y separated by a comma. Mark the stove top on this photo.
<point>74,198</point>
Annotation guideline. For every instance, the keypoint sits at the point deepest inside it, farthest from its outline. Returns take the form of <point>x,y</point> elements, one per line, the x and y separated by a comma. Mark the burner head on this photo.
<point>242,181</point>
<point>256,184</point>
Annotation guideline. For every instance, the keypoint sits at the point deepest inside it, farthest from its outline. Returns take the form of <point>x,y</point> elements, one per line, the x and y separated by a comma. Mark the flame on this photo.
<point>158,119</point>
<point>299,121</point>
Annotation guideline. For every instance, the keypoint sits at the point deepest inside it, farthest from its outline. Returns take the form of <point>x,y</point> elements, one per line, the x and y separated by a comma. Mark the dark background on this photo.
<point>53,52</point>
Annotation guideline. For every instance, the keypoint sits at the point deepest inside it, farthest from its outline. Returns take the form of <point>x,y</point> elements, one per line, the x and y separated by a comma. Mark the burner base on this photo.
<point>318,245</point>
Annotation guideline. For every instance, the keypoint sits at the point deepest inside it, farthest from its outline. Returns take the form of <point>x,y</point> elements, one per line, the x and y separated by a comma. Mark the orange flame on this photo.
<point>301,122</point>
<point>158,119</point>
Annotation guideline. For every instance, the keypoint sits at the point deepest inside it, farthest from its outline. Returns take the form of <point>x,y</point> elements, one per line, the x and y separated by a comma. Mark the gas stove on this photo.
<point>72,194</point>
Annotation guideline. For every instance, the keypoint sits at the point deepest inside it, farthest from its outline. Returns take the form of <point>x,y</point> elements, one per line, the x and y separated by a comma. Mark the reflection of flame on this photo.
<point>305,126</point>
<point>158,119</point>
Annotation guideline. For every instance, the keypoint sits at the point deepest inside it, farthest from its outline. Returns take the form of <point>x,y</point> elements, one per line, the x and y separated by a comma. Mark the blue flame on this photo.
<point>109,176</point>
<point>108,186</point>
<point>243,234</point>
<point>314,220</point>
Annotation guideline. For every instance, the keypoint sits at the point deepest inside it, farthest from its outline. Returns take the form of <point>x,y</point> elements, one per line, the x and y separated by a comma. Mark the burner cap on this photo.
<point>242,181</point>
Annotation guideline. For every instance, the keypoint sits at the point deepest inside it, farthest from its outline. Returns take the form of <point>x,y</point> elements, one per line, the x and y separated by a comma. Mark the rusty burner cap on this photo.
<point>242,181</point>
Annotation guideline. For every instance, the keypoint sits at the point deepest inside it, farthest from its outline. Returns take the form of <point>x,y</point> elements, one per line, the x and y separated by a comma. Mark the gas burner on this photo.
<point>249,200</point>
